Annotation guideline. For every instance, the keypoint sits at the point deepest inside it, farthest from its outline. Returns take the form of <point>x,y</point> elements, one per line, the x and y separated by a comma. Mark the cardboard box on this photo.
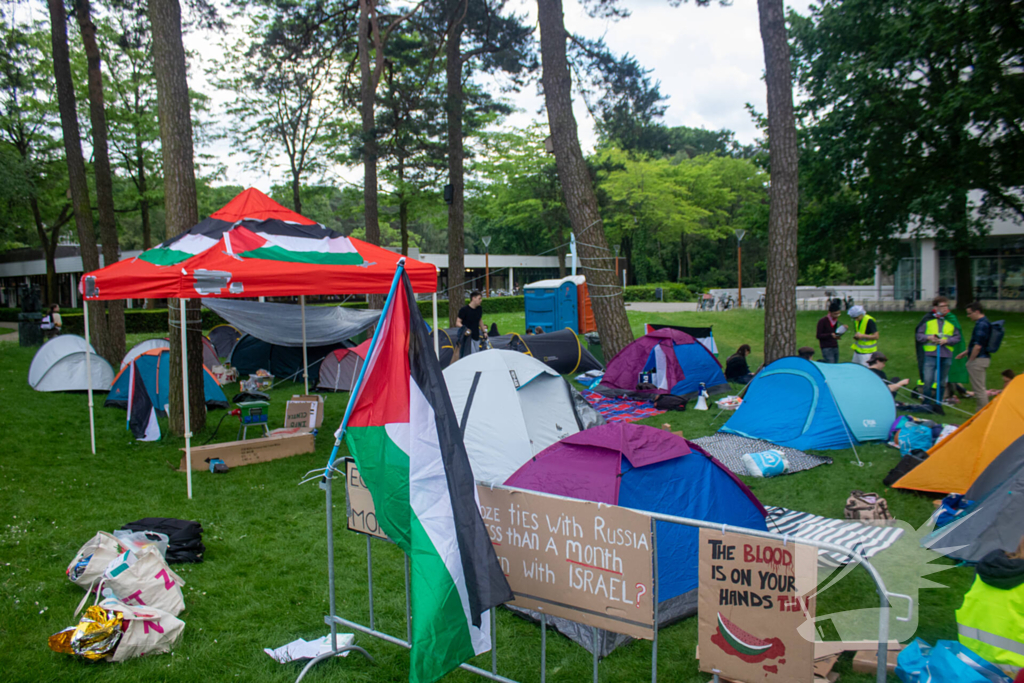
<point>304,411</point>
<point>866,661</point>
<point>238,453</point>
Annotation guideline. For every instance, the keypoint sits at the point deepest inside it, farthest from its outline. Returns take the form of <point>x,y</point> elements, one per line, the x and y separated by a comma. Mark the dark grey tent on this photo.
<point>997,521</point>
<point>283,362</point>
<point>561,350</point>
<point>224,337</point>
<point>448,341</point>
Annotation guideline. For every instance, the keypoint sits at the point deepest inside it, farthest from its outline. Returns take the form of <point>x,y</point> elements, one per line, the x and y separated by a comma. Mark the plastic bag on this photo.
<point>137,541</point>
<point>913,436</point>
<point>770,463</point>
<point>93,558</point>
<point>947,662</point>
<point>145,580</point>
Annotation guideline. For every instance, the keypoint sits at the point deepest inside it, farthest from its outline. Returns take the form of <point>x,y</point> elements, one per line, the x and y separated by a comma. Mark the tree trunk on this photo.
<point>780,294</point>
<point>113,348</point>
<point>65,87</point>
<point>181,208</point>
<point>296,192</point>
<point>367,100</point>
<point>591,243</point>
<point>456,210</point>
<point>49,253</point>
<point>403,223</point>
<point>147,227</point>
<point>962,250</point>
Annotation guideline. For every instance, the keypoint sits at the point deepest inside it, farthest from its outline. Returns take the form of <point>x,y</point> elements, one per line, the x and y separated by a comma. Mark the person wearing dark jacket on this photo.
<point>936,337</point>
<point>977,353</point>
<point>828,338</point>
<point>736,368</point>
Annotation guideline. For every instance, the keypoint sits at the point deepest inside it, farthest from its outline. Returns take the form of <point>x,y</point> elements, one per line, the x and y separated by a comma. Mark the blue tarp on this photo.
<point>808,405</point>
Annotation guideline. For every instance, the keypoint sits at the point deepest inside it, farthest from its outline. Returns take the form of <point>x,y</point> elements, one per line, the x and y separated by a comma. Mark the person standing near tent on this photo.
<point>958,368</point>
<point>937,336</point>
<point>979,359</point>
<point>865,335</point>
<point>991,620</point>
<point>51,322</point>
<point>828,337</point>
<point>471,320</point>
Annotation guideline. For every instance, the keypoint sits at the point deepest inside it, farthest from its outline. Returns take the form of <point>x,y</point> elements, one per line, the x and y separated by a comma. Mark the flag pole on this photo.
<point>437,343</point>
<point>354,394</point>
<point>305,359</point>
<point>88,374</point>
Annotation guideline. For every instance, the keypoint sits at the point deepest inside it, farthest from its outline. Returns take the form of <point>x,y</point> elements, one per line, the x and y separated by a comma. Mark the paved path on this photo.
<point>9,336</point>
<point>662,306</point>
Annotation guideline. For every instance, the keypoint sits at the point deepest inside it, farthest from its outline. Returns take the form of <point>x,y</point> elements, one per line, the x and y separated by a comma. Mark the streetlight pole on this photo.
<point>487,265</point>
<point>739,266</point>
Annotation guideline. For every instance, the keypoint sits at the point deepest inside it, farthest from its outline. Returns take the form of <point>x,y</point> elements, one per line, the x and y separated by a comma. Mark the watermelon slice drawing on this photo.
<point>740,640</point>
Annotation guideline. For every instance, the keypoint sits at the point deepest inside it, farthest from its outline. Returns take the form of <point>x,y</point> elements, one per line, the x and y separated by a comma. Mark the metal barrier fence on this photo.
<point>334,621</point>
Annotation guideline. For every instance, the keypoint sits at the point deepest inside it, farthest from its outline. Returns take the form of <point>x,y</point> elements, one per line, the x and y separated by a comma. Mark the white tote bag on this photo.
<point>147,631</point>
<point>145,580</point>
<point>93,558</point>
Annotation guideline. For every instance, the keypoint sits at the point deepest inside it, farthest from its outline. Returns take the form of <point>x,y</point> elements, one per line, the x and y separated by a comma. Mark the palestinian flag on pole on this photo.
<point>407,444</point>
<point>141,415</point>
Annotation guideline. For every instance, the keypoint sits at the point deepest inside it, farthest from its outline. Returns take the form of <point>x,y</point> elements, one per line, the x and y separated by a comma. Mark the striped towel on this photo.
<point>865,538</point>
<point>620,409</point>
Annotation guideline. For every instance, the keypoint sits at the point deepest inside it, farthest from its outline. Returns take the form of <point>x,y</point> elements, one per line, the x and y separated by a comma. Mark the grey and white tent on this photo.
<point>997,521</point>
<point>511,407</point>
<point>61,363</point>
<point>340,368</point>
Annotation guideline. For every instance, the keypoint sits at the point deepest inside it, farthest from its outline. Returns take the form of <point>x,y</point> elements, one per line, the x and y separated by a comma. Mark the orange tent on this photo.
<point>955,462</point>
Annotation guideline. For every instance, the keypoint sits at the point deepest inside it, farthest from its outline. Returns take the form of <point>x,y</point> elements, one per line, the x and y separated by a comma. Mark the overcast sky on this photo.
<point>709,61</point>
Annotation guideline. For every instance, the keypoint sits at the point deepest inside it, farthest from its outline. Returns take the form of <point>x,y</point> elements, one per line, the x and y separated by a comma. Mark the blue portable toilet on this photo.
<point>805,405</point>
<point>552,305</point>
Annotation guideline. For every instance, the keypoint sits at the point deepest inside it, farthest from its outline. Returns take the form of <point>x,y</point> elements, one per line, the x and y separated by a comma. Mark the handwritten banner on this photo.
<point>587,562</point>
<point>753,596</point>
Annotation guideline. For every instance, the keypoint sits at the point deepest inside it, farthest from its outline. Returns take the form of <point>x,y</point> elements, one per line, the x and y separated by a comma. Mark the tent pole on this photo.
<point>437,344</point>
<point>185,402</point>
<point>88,374</point>
<point>305,360</point>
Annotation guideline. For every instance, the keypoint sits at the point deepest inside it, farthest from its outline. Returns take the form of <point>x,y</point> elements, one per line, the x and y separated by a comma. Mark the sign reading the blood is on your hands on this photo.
<point>752,598</point>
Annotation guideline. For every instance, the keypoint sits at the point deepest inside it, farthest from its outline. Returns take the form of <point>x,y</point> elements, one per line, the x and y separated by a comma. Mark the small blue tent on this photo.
<point>814,406</point>
<point>154,366</point>
<point>673,361</point>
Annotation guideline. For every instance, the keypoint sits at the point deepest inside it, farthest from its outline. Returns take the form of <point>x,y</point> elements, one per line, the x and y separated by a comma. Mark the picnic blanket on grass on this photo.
<point>729,449</point>
<point>620,410</point>
<point>866,538</point>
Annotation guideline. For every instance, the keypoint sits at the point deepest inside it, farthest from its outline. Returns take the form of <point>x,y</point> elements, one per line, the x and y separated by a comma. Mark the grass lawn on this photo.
<point>264,581</point>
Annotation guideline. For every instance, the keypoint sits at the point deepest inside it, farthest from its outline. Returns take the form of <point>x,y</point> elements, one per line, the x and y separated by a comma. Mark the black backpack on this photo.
<point>906,463</point>
<point>995,337</point>
<point>185,537</point>
<point>669,402</point>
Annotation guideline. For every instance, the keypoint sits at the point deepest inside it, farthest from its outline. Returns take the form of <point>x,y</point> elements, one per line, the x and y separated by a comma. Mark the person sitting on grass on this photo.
<point>736,368</point>
<point>1008,376</point>
<point>876,364</point>
<point>805,352</point>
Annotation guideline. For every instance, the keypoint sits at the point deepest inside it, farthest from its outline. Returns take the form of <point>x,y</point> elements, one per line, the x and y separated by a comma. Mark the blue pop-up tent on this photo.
<point>154,366</point>
<point>807,405</point>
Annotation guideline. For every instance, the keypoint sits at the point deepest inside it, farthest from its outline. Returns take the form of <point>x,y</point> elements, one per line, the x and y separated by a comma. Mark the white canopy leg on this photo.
<point>437,345</point>
<point>88,374</point>
<point>305,359</point>
<point>185,402</point>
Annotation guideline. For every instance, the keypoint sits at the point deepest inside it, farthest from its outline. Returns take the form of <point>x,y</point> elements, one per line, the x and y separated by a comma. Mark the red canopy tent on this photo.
<point>252,247</point>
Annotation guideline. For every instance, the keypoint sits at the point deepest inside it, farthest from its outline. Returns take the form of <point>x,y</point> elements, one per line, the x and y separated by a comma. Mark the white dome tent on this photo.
<point>60,365</point>
<point>511,407</point>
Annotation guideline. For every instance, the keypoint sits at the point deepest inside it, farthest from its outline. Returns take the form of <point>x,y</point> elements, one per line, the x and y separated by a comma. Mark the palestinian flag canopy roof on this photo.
<point>255,247</point>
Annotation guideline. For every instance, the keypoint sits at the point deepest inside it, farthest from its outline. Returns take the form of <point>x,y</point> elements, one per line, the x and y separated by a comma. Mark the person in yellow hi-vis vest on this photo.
<point>991,620</point>
<point>937,336</point>
<point>865,335</point>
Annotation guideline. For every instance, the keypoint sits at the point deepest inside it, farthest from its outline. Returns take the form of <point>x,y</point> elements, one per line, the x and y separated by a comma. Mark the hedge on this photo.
<point>672,291</point>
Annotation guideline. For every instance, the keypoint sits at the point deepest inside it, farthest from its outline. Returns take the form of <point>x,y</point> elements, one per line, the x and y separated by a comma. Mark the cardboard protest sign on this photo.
<point>753,595</point>
<point>306,412</point>
<point>588,562</point>
<point>359,503</point>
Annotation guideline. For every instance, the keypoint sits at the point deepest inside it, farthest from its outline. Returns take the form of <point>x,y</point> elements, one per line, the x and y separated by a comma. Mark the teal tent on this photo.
<point>807,405</point>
